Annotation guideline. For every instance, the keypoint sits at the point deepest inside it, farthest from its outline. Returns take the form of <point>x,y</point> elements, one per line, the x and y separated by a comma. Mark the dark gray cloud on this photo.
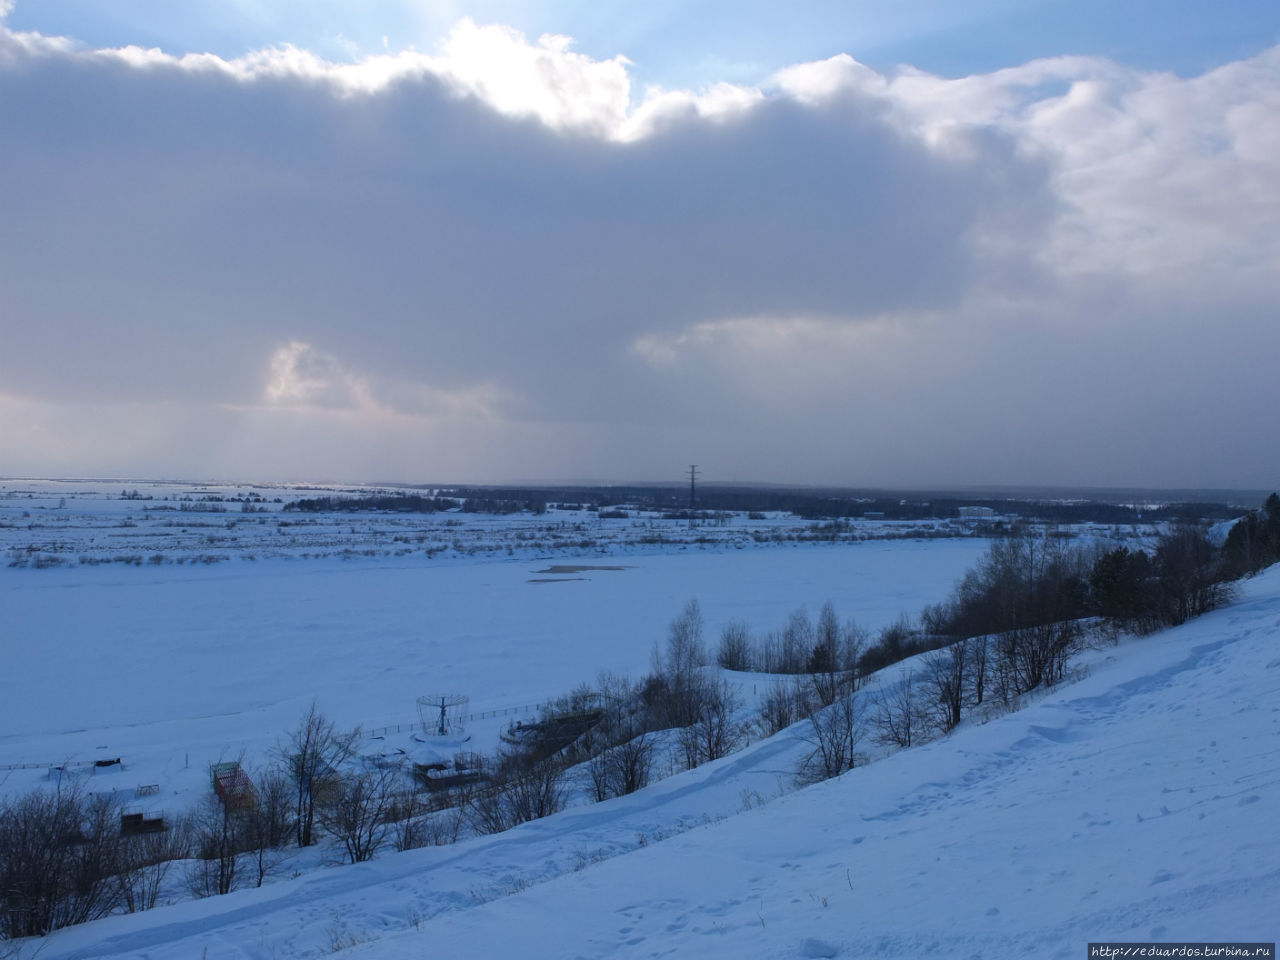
<point>809,288</point>
<point>420,234</point>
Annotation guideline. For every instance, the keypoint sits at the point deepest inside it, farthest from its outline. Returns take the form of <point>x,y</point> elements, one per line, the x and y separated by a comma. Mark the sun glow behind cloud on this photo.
<point>544,79</point>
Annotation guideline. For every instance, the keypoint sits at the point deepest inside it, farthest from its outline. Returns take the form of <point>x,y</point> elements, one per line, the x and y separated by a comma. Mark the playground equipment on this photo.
<point>443,714</point>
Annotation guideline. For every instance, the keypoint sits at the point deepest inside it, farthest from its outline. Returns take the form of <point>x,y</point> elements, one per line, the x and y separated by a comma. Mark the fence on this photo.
<point>56,766</point>
<point>482,715</point>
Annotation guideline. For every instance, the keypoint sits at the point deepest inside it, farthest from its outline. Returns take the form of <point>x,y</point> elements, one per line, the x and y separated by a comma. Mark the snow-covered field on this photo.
<point>56,523</point>
<point>1138,803</point>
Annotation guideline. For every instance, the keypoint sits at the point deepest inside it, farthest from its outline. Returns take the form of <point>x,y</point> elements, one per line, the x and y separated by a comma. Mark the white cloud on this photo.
<point>1155,172</point>
<point>819,81</point>
<point>302,377</point>
<point>811,346</point>
<point>719,102</point>
<point>546,79</point>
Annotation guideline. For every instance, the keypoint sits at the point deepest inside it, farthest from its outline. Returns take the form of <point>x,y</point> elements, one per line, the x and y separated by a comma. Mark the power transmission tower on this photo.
<point>693,479</point>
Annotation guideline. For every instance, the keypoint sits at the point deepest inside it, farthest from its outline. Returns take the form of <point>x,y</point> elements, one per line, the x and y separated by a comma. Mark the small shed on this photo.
<point>133,824</point>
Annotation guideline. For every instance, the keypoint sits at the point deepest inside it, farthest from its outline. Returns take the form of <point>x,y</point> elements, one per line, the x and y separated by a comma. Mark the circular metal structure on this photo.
<point>443,714</point>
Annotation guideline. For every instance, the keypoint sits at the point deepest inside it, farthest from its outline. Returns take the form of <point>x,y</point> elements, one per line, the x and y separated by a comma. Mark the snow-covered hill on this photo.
<point>1139,803</point>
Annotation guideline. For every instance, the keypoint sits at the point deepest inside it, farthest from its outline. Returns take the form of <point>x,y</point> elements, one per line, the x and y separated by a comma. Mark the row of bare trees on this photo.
<point>1025,583</point>
<point>1011,626</point>
<point>800,646</point>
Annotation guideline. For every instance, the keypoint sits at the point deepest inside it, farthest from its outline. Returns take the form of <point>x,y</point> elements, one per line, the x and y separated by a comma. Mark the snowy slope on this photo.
<point>1142,802</point>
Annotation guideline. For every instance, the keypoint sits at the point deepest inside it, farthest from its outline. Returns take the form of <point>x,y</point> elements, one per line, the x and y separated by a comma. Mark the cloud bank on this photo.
<point>500,261</point>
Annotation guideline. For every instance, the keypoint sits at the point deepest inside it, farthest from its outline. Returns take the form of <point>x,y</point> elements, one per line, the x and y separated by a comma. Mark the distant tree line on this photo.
<point>1039,511</point>
<point>416,503</point>
<point>819,504</point>
<point>501,506</point>
<point>673,502</point>
<point>393,503</point>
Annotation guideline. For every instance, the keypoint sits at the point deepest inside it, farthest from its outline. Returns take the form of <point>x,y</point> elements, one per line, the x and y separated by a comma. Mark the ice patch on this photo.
<point>812,947</point>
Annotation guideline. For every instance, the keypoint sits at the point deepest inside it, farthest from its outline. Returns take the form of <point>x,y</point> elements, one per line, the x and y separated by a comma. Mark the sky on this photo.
<point>916,243</point>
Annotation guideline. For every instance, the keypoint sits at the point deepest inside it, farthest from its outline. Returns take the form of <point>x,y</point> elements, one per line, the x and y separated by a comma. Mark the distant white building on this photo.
<point>976,513</point>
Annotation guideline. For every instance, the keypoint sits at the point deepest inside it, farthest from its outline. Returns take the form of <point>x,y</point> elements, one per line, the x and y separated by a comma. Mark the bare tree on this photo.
<point>946,683</point>
<point>835,734</point>
<point>417,825</point>
<point>268,822</point>
<point>769,657</point>
<point>98,858</point>
<point>833,664</point>
<point>518,793</point>
<point>782,706</point>
<point>677,685</point>
<point>623,768</point>
<point>1189,574</point>
<point>408,832</point>
<point>60,852</point>
<point>218,845</point>
<point>735,652</point>
<point>148,858</point>
<point>685,651</point>
<point>827,637</point>
<point>312,754</point>
<point>893,643</point>
<point>898,718</point>
<point>487,809</point>
<point>358,811</point>
<point>797,642</point>
<point>537,791</point>
<point>716,732</point>
<point>620,747</point>
<point>976,672</point>
<point>1006,679</point>
<point>1034,656</point>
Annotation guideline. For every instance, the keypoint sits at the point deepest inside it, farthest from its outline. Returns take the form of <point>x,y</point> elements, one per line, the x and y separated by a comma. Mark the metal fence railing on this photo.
<point>525,708</point>
<point>46,766</point>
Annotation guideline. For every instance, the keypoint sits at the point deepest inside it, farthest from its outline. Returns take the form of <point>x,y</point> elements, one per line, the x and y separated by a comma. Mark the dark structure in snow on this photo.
<point>233,786</point>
